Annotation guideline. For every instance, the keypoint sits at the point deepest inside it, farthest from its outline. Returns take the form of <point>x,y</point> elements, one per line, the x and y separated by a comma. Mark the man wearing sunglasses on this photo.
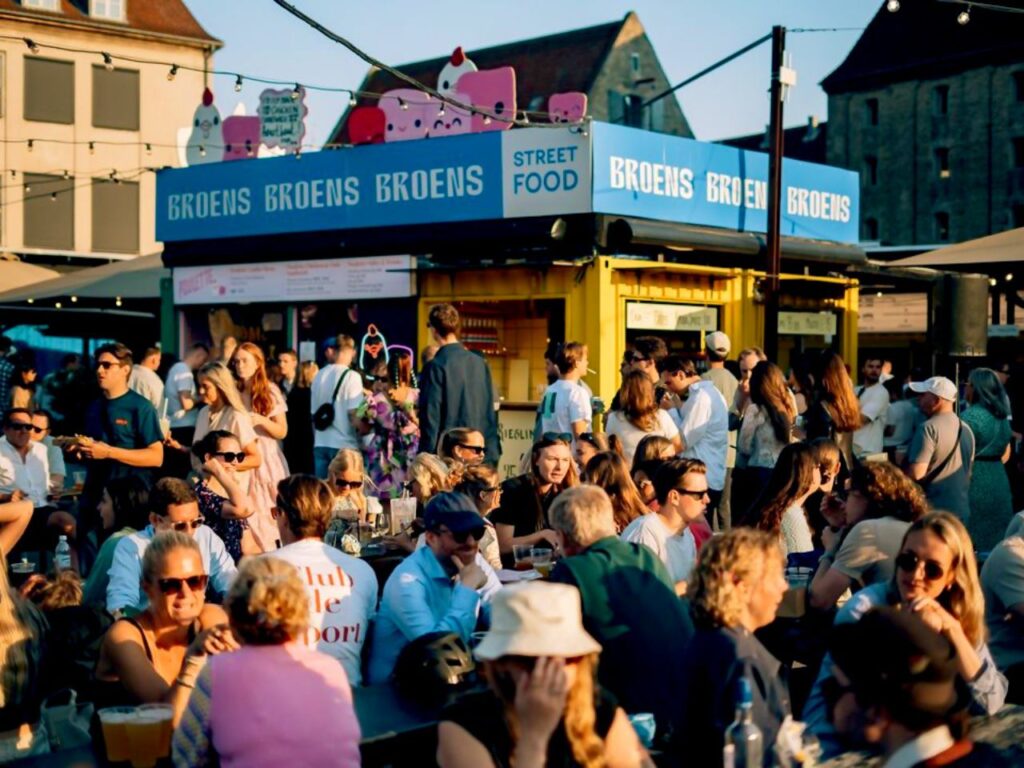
<point>456,388</point>
<point>444,586</point>
<point>173,506</point>
<point>24,464</point>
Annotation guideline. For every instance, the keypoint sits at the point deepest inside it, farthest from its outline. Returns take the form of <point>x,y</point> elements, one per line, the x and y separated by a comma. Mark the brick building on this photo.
<point>614,64</point>
<point>931,113</point>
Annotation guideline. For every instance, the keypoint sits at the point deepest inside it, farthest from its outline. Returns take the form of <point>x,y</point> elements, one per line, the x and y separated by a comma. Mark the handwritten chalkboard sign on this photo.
<point>283,117</point>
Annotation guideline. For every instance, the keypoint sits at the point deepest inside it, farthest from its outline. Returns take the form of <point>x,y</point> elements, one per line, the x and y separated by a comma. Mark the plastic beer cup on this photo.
<point>114,723</point>
<point>144,734</point>
<point>164,715</point>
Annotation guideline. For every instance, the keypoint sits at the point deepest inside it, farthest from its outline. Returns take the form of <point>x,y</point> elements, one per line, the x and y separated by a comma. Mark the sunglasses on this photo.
<point>176,586</point>
<point>106,365</point>
<point>638,359</point>
<point>231,456</point>
<point>463,536</point>
<point>698,495</point>
<point>188,525</point>
<point>350,484</point>
<point>565,437</point>
<point>17,426</point>
<point>477,449</point>
<point>908,562</point>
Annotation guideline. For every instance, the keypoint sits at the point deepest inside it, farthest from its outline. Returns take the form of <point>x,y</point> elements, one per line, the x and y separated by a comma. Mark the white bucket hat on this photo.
<point>939,386</point>
<point>536,619</point>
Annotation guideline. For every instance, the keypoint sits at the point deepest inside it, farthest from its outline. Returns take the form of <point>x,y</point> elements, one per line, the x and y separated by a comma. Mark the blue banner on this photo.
<point>667,178</point>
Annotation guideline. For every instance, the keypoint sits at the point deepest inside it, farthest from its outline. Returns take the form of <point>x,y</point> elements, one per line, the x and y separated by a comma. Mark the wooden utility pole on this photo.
<point>773,265</point>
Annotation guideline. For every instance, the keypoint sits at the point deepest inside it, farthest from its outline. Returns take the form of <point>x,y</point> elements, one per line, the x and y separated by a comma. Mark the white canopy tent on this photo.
<point>15,274</point>
<point>137,278</point>
<point>1001,248</point>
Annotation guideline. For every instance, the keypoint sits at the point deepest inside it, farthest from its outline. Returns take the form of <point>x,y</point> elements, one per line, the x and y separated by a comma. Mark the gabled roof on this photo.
<point>567,61</point>
<point>159,17</point>
<point>923,40</point>
<point>801,142</point>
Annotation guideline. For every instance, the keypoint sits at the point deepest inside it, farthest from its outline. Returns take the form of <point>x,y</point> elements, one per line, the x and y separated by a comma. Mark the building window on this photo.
<point>45,5</point>
<point>942,162</point>
<point>633,112</point>
<point>115,98</point>
<point>1018,85</point>
<point>871,170</point>
<point>49,212</point>
<point>49,90</point>
<point>871,229</point>
<point>107,9</point>
<point>940,100</point>
<point>1017,215</point>
<point>871,111</point>
<point>942,227</point>
<point>115,216</point>
<point>1018,152</point>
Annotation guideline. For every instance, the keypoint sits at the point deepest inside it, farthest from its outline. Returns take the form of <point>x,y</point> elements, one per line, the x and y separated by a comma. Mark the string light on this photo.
<point>172,71</point>
<point>149,148</point>
<point>117,301</point>
<point>58,305</point>
<point>964,17</point>
<point>892,6</point>
<point>31,301</point>
<point>296,91</point>
<point>402,104</point>
<point>487,119</point>
<point>440,112</point>
<point>53,197</point>
<point>92,147</point>
<point>238,84</point>
<point>30,143</point>
<point>108,61</point>
<point>28,187</point>
<point>352,101</point>
<point>31,45</point>
<point>74,299</point>
<point>66,175</point>
<point>202,151</point>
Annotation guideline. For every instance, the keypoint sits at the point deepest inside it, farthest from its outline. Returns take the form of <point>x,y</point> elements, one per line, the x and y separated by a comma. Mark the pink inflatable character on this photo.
<point>494,92</point>
<point>408,113</point>
<point>241,137</point>
<point>366,125</point>
<point>449,120</point>
<point>567,107</point>
<point>457,66</point>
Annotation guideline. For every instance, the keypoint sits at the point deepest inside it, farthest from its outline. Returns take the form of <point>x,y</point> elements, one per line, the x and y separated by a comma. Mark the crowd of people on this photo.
<point>734,536</point>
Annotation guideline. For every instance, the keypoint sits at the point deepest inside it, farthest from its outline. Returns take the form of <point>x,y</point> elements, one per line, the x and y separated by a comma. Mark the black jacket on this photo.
<point>456,391</point>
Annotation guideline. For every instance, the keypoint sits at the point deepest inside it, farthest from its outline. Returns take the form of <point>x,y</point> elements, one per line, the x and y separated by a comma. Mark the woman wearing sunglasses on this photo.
<point>464,445</point>
<point>937,578</point>
<point>480,483</point>
<point>157,655</point>
<point>346,475</point>
<point>223,492</point>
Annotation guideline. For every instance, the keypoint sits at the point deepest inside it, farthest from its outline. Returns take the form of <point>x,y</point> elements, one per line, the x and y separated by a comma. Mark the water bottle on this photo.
<point>62,555</point>
<point>744,742</point>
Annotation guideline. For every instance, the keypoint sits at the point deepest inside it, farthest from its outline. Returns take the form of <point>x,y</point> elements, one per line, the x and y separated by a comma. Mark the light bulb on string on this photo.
<point>440,112</point>
<point>31,301</point>
<point>149,148</point>
<point>74,299</point>
<point>117,301</point>
<point>402,104</point>
<point>487,119</point>
<point>202,151</point>
<point>92,147</point>
<point>58,305</point>
<point>352,101</point>
<point>66,175</point>
<point>892,6</point>
<point>296,92</point>
<point>964,17</point>
<point>172,71</point>
<point>53,197</point>
<point>31,45</point>
<point>108,61</point>
<point>30,143</point>
<point>238,84</point>
<point>28,188</point>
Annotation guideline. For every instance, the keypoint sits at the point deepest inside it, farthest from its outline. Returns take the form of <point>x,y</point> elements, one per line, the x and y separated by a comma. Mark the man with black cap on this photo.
<point>908,702</point>
<point>442,587</point>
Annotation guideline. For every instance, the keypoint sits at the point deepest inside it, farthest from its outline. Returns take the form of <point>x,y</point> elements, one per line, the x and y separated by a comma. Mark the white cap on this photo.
<point>536,619</point>
<point>719,342</point>
<point>939,386</point>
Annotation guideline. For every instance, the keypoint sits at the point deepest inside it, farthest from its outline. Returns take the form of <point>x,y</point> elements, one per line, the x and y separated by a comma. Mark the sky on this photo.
<point>262,39</point>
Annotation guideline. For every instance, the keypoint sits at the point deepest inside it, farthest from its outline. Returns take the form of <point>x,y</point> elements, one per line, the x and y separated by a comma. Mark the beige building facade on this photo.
<point>79,129</point>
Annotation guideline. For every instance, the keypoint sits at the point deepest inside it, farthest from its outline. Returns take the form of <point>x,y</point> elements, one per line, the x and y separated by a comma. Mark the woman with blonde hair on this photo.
<point>271,702</point>
<point>734,590</point>
<point>937,578</point>
<point>428,476</point>
<point>223,409</point>
<point>268,414</point>
<point>22,634</point>
<point>543,706</point>
<point>610,472</point>
<point>346,475</point>
<point>639,415</point>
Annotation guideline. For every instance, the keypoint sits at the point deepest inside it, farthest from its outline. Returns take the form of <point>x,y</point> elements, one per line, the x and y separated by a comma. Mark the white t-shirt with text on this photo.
<point>565,403</point>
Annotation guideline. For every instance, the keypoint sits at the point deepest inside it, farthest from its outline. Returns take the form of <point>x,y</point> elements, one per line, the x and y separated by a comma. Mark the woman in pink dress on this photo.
<point>267,409</point>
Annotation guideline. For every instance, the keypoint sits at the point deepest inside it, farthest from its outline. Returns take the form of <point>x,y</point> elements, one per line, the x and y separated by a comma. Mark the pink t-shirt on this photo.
<point>276,705</point>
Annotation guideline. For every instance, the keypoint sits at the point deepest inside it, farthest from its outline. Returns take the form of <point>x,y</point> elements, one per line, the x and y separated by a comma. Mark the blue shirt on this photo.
<point>125,587</point>
<point>420,597</point>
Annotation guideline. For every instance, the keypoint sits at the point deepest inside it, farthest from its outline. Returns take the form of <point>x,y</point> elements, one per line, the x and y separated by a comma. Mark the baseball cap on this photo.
<point>939,386</point>
<point>454,511</point>
<point>719,342</point>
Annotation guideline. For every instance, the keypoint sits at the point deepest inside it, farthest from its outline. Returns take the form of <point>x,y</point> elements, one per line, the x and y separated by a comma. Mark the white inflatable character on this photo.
<point>206,142</point>
<point>457,66</point>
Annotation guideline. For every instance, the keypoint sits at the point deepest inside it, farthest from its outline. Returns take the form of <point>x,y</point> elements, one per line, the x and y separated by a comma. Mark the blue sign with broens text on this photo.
<point>668,178</point>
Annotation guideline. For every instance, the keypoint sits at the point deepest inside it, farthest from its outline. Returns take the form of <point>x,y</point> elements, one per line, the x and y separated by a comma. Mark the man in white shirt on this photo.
<point>874,403</point>
<point>703,421</point>
<point>682,491</point>
<point>24,465</point>
<point>143,378</point>
<point>180,389</point>
<point>173,506</point>
<point>339,385</point>
<point>342,589</point>
<point>41,422</point>
<point>565,407</point>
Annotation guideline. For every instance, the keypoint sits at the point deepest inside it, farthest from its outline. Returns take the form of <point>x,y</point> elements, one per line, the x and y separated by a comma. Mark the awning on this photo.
<point>992,249</point>
<point>18,274</point>
<point>138,278</point>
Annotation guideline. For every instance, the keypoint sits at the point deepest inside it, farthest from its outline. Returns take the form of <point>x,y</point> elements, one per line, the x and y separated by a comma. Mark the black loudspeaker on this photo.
<point>960,315</point>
